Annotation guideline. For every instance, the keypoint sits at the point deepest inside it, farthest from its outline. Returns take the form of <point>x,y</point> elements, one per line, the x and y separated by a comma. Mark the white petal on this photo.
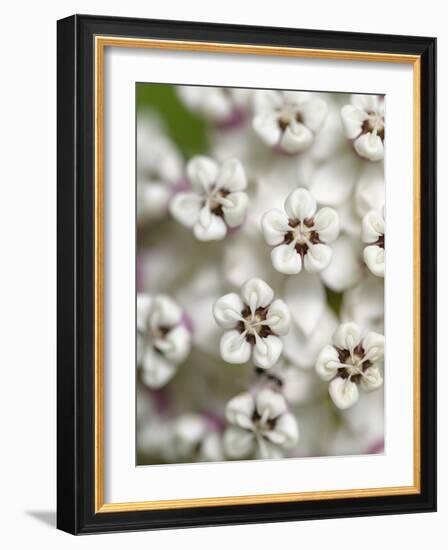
<point>177,344</point>
<point>372,226</point>
<point>286,259</point>
<point>227,310</point>
<point>297,137</point>
<point>188,431</point>
<point>373,344</point>
<point>267,100</point>
<point>369,146</point>
<point>235,214</point>
<point>345,267</point>
<point>294,98</point>
<point>209,228</point>
<point>215,104</point>
<point>333,181</point>
<point>274,225</point>
<point>140,348</point>
<point>317,258</point>
<point>185,207</point>
<point>144,303</point>
<point>152,201</point>
<point>285,433</point>
<point>205,216</point>
<point>347,336</point>
<point>349,219</point>
<point>231,176</point>
<point>202,173</point>
<point>156,371</point>
<point>306,299</point>
<point>326,223</point>
<point>331,139</point>
<point>343,392</point>
<point>367,102</point>
<point>314,112</point>
<point>374,258</point>
<point>369,193</point>
<point>302,350</point>
<point>352,119</point>
<point>267,450</point>
<point>165,312</point>
<point>256,293</point>
<point>327,363</point>
<point>270,404</point>
<point>266,126</point>
<point>246,258</point>
<point>240,409</point>
<point>267,351</point>
<point>364,304</point>
<point>278,317</point>
<point>238,443</point>
<point>234,348</point>
<point>211,448</point>
<point>300,204</point>
<point>371,379</point>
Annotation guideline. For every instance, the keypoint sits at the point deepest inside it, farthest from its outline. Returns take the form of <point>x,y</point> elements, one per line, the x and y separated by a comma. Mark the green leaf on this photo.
<point>186,129</point>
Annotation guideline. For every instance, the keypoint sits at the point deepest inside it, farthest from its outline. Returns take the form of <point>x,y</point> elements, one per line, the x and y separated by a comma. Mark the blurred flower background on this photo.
<point>260,274</point>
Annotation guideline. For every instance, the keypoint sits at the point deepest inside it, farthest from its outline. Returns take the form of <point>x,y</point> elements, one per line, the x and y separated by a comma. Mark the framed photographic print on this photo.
<point>238,339</point>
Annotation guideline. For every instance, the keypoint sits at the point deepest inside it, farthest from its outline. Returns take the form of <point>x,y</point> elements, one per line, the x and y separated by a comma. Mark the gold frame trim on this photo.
<point>101,42</point>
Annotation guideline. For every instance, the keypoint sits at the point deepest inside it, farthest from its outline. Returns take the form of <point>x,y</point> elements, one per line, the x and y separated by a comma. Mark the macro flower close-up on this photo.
<point>260,274</point>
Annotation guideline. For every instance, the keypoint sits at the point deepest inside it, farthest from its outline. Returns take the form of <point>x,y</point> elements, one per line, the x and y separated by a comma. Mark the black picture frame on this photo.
<point>75,264</point>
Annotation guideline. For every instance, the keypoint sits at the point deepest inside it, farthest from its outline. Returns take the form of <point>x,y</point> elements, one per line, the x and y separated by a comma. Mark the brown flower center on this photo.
<point>252,324</point>
<point>354,365</point>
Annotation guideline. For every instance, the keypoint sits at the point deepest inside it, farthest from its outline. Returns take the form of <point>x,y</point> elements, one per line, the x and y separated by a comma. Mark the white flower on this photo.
<point>345,177</point>
<point>300,235</point>
<point>260,424</point>
<point>302,348</point>
<point>159,169</point>
<point>364,304</point>
<point>373,234</point>
<point>192,438</point>
<point>346,266</point>
<point>225,106</point>
<point>361,430</point>
<point>294,383</point>
<point>217,200</point>
<point>254,324</point>
<point>363,122</point>
<point>162,341</point>
<point>369,190</point>
<point>351,361</point>
<point>288,120</point>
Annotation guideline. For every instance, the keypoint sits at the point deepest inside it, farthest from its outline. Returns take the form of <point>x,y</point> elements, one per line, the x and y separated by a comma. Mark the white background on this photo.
<point>27,290</point>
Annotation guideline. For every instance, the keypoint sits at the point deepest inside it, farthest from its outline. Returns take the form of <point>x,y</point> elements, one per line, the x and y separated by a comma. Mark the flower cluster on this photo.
<point>260,277</point>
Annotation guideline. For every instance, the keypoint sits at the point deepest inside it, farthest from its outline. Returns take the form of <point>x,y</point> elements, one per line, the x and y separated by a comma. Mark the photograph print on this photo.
<point>260,263</point>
